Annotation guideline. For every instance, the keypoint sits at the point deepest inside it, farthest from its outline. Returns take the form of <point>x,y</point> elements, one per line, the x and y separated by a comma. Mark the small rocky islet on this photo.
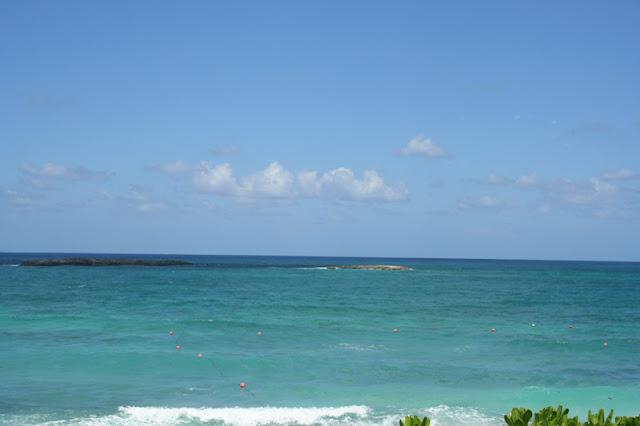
<point>375,267</point>
<point>84,261</point>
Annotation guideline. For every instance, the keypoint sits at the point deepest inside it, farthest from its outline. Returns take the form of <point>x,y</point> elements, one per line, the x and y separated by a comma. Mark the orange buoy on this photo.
<point>171,333</point>
<point>178,347</point>
<point>605,343</point>
<point>259,333</point>
<point>395,330</point>
<point>242,384</point>
<point>200,355</point>
<point>570,326</point>
<point>493,330</point>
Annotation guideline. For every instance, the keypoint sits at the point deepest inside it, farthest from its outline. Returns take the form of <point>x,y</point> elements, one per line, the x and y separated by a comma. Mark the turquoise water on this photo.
<point>83,345</point>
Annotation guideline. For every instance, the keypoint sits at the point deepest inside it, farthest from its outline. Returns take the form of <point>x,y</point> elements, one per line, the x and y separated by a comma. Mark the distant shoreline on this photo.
<point>84,261</point>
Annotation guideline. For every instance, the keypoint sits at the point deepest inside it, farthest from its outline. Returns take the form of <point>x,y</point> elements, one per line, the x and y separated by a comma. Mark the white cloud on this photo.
<point>484,202</point>
<point>342,184</point>
<point>623,173</point>
<point>60,172</point>
<point>595,196</point>
<point>494,179</point>
<point>106,195</point>
<point>274,182</point>
<point>17,199</point>
<point>277,182</point>
<point>41,183</point>
<point>218,180</point>
<point>424,147</point>
<point>309,184</point>
<point>46,176</point>
<point>527,181</point>
<point>590,192</point>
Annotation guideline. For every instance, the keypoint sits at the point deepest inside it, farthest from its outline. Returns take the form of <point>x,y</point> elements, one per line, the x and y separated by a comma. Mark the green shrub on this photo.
<point>518,417</point>
<point>558,417</point>
<point>551,417</point>
<point>628,421</point>
<point>415,421</point>
<point>546,417</point>
<point>598,419</point>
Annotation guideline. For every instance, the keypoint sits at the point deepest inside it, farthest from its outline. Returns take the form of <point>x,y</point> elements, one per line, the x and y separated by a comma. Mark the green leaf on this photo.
<point>518,417</point>
<point>415,421</point>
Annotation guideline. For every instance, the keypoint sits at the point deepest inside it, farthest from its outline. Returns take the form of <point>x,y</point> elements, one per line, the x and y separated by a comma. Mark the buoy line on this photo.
<point>243,386</point>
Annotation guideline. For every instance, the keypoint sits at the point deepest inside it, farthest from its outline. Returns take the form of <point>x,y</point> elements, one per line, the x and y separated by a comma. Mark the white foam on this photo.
<point>354,415</point>
<point>352,347</point>
<point>244,416</point>
<point>443,415</point>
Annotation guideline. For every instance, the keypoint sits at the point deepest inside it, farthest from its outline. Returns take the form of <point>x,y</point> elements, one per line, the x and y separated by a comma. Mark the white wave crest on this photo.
<point>443,415</point>
<point>245,416</point>
<point>354,415</point>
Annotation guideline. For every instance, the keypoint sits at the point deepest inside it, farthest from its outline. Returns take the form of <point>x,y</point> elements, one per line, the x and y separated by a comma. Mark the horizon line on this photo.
<point>316,256</point>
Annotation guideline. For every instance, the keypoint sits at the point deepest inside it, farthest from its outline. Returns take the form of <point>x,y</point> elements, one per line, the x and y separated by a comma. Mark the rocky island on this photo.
<point>378,267</point>
<point>83,261</point>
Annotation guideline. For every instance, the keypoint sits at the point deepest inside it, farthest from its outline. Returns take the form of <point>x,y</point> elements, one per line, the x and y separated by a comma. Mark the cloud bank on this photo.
<point>595,195</point>
<point>45,176</point>
<point>276,182</point>
<point>620,174</point>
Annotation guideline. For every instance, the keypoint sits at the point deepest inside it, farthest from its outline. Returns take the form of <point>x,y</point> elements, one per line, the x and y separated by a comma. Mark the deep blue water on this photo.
<point>92,345</point>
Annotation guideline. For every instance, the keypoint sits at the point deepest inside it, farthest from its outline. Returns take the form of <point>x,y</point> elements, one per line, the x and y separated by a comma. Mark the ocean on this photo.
<point>459,341</point>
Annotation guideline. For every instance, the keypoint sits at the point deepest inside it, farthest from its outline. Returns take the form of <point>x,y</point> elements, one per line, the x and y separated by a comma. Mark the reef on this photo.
<point>83,261</point>
<point>378,267</point>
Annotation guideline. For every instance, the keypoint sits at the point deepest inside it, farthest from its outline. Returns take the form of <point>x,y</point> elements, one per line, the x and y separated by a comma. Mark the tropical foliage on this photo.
<point>560,417</point>
<point>547,417</point>
<point>415,421</point>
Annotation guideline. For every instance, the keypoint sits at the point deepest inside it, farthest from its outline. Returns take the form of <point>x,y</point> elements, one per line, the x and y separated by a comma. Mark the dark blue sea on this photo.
<point>314,346</point>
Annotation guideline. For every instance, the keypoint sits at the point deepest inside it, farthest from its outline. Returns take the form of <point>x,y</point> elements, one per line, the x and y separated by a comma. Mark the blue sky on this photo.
<point>466,129</point>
